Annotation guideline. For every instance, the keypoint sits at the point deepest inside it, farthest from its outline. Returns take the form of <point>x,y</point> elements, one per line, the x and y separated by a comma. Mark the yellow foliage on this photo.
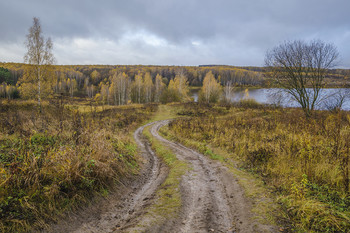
<point>211,89</point>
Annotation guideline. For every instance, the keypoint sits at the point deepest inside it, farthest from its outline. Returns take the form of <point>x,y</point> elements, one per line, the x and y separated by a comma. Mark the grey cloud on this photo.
<point>229,32</point>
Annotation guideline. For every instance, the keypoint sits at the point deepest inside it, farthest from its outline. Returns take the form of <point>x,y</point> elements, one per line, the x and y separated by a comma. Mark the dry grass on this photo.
<point>53,161</point>
<point>305,161</point>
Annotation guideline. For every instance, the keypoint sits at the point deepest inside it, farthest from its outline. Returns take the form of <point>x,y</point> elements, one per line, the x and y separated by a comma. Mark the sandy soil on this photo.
<point>212,199</point>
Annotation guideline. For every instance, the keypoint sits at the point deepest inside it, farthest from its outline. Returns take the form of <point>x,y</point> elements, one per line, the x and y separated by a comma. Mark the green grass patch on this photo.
<point>165,111</point>
<point>168,198</point>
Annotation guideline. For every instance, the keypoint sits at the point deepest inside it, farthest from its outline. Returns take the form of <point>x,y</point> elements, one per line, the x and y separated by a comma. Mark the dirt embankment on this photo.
<point>212,199</point>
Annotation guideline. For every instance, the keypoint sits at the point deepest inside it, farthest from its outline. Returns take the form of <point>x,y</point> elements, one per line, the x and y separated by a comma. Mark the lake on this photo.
<point>328,96</point>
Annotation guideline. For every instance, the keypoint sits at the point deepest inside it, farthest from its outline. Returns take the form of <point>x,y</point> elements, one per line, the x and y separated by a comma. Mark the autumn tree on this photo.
<point>123,88</point>
<point>113,89</point>
<point>211,89</point>
<point>62,84</point>
<point>171,93</point>
<point>148,87</point>
<point>90,89</point>
<point>120,88</point>
<point>182,86</point>
<point>158,88</point>
<point>95,77</point>
<point>177,90</point>
<point>72,86</point>
<point>104,93</point>
<point>8,91</point>
<point>137,89</point>
<point>300,68</point>
<point>39,55</point>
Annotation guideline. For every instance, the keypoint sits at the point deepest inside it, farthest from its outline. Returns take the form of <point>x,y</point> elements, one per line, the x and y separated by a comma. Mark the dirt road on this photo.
<point>212,199</point>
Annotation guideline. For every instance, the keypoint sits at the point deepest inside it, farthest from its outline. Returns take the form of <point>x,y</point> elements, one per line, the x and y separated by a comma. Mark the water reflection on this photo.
<point>328,97</point>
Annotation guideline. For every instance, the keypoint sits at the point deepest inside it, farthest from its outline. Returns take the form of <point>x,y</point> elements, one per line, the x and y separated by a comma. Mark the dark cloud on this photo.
<point>173,31</point>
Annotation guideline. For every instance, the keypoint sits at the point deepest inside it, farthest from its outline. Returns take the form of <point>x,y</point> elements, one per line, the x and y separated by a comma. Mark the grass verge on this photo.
<point>168,195</point>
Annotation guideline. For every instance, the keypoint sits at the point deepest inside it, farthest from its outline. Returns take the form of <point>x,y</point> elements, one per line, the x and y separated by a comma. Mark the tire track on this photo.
<point>205,206</point>
<point>213,201</point>
<point>121,212</point>
<point>156,175</point>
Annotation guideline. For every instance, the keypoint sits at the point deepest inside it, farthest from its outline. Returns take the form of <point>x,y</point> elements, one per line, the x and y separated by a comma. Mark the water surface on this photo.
<point>328,97</point>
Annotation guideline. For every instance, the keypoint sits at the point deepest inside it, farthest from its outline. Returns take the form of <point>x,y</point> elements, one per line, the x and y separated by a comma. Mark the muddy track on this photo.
<point>122,209</point>
<point>212,199</point>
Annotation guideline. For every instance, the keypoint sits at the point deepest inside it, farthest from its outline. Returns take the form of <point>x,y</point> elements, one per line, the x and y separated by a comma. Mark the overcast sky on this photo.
<point>172,32</point>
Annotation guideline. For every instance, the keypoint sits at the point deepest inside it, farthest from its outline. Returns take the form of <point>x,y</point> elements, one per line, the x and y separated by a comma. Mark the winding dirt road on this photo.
<point>212,199</point>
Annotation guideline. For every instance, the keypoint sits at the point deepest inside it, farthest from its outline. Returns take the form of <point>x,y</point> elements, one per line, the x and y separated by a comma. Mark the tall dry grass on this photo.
<point>52,162</point>
<point>305,160</point>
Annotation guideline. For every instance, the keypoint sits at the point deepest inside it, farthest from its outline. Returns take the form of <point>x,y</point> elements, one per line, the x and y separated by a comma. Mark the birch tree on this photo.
<point>124,88</point>
<point>211,89</point>
<point>72,86</point>
<point>39,55</point>
<point>158,88</point>
<point>182,86</point>
<point>104,93</point>
<point>120,88</point>
<point>148,86</point>
<point>137,89</point>
<point>114,89</point>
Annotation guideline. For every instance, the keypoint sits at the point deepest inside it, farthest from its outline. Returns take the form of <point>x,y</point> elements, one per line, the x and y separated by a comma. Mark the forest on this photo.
<point>120,85</point>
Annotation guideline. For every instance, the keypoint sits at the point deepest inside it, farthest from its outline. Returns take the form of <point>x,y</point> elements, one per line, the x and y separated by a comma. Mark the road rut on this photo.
<point>212,199</point>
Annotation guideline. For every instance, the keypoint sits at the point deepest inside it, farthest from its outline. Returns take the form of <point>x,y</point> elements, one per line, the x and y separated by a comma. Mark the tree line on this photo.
<point>117,88</point>
<point>86,81</point>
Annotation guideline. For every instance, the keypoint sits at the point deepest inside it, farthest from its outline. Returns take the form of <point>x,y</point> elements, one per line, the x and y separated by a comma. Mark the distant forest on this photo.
<point>91,80</point>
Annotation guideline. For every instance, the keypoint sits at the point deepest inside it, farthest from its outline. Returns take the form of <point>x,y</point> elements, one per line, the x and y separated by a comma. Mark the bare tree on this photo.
<point>39,54</point>
<point>300,69</point>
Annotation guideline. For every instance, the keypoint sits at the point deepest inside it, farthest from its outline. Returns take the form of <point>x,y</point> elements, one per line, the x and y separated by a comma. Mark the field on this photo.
<point>305,161</point>
<point>295,170</point>
<point>52,162</point>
